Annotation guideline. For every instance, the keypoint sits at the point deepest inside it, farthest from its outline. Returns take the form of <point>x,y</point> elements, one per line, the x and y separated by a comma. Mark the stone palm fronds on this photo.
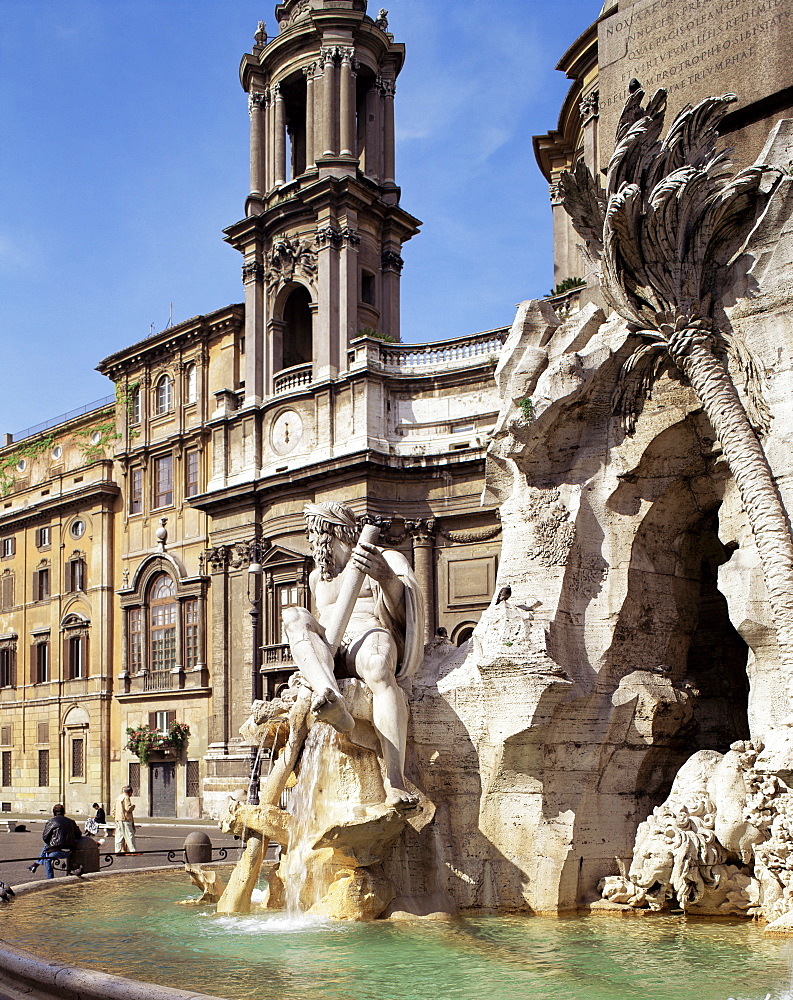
<point>667,235</point>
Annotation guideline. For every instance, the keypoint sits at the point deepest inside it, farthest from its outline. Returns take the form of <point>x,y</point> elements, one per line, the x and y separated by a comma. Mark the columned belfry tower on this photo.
<point>323,231</point>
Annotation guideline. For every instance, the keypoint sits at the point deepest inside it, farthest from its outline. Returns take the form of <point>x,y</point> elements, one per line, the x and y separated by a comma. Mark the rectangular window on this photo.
<point>163,481</point>
<point>44,768</point>
<point>5,736</point>
<point>162,719</point>
<point>78,757</point>
<point>43,732</point>
<point>135,622</point>
<point>7,591</point>
<point>134,777</point>
<point>41,585</point>
<point>43,537</point>
<point>41,662</point>
<point>75,575</point>
<point>7,547</point>
<point>286,597</point>
<point>191,473</point>
<point>75,656</point>
<point>136,491</point>
<point>7,658</point>
<point>192,788</point>
<point>5,761</point>
<point>163,636</point>
<point>190,634</point>
<point>134,406</point>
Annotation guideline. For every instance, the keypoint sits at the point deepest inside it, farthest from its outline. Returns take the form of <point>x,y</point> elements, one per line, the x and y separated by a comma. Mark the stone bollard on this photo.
<point>85,854</point>
<point>197,848</point>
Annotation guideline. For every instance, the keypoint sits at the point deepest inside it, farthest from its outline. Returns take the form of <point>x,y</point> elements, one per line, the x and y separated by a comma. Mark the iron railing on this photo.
<point>47,424</point>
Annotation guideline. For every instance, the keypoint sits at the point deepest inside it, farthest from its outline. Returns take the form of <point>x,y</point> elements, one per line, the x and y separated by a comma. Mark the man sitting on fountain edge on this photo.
<point>383,642</point>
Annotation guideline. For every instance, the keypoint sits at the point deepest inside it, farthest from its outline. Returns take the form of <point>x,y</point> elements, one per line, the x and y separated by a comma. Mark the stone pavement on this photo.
<point>151,835</point>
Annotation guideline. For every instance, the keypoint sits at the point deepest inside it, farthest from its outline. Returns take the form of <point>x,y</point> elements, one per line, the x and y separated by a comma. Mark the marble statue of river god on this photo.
<point>338,735</point>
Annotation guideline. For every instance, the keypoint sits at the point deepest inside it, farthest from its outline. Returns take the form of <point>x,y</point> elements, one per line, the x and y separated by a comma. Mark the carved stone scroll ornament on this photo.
<point>667,236</point>
<point>288,256</point>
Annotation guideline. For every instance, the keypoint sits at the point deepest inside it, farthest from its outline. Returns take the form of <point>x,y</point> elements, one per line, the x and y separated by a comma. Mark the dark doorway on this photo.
<point>297,340</point>
<point>162,778</point>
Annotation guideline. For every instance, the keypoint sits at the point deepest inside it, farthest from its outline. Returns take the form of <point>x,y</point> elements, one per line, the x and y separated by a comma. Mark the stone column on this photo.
<point>311,155</point>
<point>371,167</point>
<point>422,533</point>
<point>255,325</point>
<point>257,112</point>
<point>391,264</point>
<point>388,90</point>
<point>330,103</point>
<point>347,103</point>
<point>280,137</point>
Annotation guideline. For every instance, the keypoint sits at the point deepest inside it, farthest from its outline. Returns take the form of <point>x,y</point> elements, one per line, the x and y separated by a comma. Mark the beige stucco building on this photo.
<point>223,427</point>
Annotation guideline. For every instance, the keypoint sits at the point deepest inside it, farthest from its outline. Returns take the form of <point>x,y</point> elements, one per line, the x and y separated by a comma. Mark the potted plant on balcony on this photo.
<point>143,741</point>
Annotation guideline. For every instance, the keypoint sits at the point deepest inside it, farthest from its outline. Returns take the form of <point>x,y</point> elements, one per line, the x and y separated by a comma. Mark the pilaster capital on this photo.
<point>387,88</point>
<point>390,260</point>
<point>588,107</point>
<point>555,192</point>
<point>422,531</point>
<point>257,101</point>
<point>252,271</point>
<point>276,94</point>
<point>328,53</point>
<point>337,238</point>
<point>310,72</point>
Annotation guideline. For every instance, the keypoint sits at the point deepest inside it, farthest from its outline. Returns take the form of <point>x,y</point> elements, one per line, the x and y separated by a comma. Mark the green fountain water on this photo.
<point>129,925</point>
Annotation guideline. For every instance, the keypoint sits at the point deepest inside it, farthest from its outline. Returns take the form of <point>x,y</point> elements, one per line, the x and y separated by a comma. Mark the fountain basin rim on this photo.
<point>23,973</point>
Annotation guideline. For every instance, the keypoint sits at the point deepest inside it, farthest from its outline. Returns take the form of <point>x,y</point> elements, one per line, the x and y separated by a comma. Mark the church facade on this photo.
<point>189,485</point>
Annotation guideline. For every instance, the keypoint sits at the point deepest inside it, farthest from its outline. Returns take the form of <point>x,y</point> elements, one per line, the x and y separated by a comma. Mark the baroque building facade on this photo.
<point>223,427</point>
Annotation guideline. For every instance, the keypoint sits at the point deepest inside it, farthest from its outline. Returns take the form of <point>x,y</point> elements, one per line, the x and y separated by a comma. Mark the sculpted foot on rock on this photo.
<point>329,707</point>
<point>400,799</point>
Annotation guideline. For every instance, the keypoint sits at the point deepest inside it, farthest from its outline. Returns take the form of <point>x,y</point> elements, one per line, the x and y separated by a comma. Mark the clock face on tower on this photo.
<point>286,432</point>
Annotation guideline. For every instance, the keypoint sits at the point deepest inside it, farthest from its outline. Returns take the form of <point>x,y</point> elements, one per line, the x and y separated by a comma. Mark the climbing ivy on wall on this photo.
<point>9,463</point>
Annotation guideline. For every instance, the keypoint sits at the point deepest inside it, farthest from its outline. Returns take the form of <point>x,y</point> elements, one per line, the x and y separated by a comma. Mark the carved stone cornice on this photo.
<point>391,261</point>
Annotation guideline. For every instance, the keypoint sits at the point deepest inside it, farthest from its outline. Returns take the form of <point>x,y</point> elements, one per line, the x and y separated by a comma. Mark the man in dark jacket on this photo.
<point>60,836</point>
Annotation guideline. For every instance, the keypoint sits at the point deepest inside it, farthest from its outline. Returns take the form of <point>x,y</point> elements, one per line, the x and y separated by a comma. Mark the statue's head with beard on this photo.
<point>324,522</point>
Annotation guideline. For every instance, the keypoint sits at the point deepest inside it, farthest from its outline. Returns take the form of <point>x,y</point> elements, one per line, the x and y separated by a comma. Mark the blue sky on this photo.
<point>124,138</point>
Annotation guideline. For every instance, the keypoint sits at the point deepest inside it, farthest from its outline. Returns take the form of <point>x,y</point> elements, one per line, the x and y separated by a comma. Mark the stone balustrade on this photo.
<point>292,378</point>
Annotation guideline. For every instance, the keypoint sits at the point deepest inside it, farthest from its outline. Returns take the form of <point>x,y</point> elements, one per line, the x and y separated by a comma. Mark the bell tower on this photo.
<point>323,230</point>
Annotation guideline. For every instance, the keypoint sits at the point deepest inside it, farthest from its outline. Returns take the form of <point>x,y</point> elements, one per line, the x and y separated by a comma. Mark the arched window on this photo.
<point>162,395</point>
<point>297,338</point>
<point>164,613</point>
<point>190,384</point>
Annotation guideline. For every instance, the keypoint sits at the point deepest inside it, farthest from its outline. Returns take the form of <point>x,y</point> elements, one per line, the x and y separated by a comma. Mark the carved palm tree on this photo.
<point>668,236</point>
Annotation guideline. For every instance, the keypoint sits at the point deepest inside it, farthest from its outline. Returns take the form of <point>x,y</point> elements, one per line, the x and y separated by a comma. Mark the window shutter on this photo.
<point>43,732</point>
<point>84,651</point>
<point>171,717</point>
<point>7,592</point>
<point>69,576</point>
<point>33,675</point>
<point>152,720</point>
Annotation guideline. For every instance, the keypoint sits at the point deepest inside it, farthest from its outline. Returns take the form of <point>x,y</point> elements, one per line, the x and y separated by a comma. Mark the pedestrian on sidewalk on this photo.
<point>125,822</point>
<point>60,835</point>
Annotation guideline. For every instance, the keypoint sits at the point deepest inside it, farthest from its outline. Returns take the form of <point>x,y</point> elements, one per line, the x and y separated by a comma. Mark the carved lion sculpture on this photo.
<point>682,848</point>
